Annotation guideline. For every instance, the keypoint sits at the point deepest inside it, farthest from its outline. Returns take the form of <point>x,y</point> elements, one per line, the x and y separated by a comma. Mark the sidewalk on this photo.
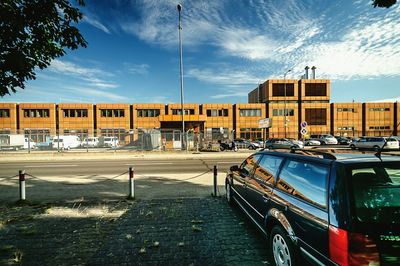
<point>118,155</point>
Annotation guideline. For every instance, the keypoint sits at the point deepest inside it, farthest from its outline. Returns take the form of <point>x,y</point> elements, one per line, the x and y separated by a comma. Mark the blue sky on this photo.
<point>229,46</point>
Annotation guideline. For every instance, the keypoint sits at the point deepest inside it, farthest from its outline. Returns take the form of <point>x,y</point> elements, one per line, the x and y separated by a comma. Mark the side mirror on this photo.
<point>234,168</point>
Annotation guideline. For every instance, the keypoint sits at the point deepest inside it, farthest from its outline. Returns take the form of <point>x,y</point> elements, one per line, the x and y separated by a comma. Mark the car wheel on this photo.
<point>228,193</point>
<point>220,148</point>
<point>353,147</point>
<point>323,143</point>
<point>281,247</point>
<point>251,147</point>
<point>376,148</point>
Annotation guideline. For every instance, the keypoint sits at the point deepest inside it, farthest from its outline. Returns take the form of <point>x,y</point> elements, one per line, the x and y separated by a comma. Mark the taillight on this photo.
<point>352,248</point>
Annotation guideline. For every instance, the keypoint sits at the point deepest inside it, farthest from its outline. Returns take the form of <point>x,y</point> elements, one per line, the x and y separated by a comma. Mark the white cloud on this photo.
<point>223,78</point>
<point>91,20</point>
<point>137,69</point>
<point>386,100</point>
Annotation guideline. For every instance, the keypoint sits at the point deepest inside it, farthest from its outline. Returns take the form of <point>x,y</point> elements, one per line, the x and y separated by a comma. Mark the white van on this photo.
<point>29,144</point>
<point>66,142</point>
<point>90,142</point>
<point>111,142</point>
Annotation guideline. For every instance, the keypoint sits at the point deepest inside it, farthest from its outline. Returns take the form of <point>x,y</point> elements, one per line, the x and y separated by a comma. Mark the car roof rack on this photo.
<point>326,154</point>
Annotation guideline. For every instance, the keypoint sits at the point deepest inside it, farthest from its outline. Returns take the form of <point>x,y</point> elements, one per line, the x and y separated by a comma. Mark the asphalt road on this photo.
<point>111,167</point>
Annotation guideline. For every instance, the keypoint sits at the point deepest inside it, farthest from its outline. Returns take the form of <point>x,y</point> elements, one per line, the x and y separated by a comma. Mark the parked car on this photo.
<point>29,144</point>
<point>246,144</point>
<point>66,142</point>
<point>312,142</point>
<point>283,143</point>
<point>327,209</point>
<point>11,141</point>
<point>343,140</point>
<point>90,142</point>
<point>375,143</point>
<point>111,142</point>
<point>325,139</point>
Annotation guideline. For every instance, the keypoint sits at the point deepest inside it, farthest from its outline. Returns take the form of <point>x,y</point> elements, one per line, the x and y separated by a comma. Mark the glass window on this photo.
<point>46,113</point>
<point>304,180</point>
<point>84,113</point>
<point>248,165</point>
<point>267,169</point>
<point>4,112</point>
<point>103,113</point>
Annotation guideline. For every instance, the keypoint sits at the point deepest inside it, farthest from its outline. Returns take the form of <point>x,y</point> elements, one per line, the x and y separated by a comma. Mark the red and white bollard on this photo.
<point>22,195</point>
<point>131,183</point>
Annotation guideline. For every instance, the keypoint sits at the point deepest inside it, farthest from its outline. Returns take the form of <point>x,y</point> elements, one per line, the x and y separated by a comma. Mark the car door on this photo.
<point>361,143</point>
<point>260,185</point>
<point>240,177</point>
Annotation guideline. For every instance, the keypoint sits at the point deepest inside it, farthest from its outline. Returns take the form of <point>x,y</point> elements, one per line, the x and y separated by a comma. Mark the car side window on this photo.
<point>305,180</point>
<point>248,165</point>
<point>267,169</point>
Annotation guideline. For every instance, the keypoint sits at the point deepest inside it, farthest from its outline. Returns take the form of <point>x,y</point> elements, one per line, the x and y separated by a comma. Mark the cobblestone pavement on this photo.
<point>184,231</point>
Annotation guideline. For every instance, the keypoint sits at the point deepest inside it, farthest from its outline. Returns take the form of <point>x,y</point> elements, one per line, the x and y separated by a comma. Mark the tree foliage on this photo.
<point>32,33</point>
<point>383,3</point>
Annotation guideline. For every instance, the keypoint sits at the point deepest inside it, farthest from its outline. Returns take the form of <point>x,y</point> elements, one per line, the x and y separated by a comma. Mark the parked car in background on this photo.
<point>66,142</point>
<point>110,142</point>
<point>375,143</point>
<point>283,143</point>
<point>343,140</point>
<point>11,142</point>
<point>246,144</point>
<point>29,144</point>
<point>328,209</point>
<point>325,139</point>
<point>312,142</point>
<point>90,142</point>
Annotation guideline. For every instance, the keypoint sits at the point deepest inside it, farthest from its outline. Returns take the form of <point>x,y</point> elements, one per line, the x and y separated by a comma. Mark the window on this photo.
<point>267,169</point>
<point>112,112</point>
<point>316,116</point>
<point>148,112</point>
<point>75,112</point>
<point>315,89</point>
<point>280,112</point>
<point>4,112</point>
<point>179,111</point>
<point>278,89</point>
<point>248,165</point>
<point>346,110</point>
<point>379,127</point>
<point>36,113</point>
<point>250,133</point>
<point>250,112</point>
<point>306,181</point>
<point>379,109</point>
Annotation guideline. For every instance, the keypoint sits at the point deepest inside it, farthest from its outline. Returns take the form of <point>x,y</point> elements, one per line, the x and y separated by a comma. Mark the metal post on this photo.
<point>284,100</point>
<point>179,7</point>
<point>131,184</point>
<point>22,195</point>
<point>29,141</point>
<point>215,179</point>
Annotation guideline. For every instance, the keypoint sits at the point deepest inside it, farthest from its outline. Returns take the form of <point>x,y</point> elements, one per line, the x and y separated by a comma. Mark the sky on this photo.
<point>229,46</point>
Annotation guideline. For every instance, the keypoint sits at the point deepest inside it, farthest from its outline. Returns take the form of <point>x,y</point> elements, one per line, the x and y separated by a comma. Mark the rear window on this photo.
<point>376,193</point>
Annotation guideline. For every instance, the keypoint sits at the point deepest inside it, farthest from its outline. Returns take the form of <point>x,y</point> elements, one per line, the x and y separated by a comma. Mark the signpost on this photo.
<point>303,130</point>
<point>264,124</point>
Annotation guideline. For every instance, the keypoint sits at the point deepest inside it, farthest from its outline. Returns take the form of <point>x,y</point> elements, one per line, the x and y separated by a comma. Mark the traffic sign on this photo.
<point>264,123</point>
<point>303,131</point>
<point>303,124</point>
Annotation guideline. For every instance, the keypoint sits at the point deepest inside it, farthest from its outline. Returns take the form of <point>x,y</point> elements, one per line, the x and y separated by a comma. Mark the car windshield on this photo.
<point>376,193</point>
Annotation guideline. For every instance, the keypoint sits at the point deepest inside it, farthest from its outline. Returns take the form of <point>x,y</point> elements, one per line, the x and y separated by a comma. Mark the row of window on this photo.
<point>215,112</point>
<point>345,128</point>
<point>315,89</point>
<point>293,176</point>
<point>379,109</point>
<point>75,112</point>
<point>278,89</point>
<point>250,112</point>
<point>36,113</point>
<point>379,127</point>
<point>112,112</point>
<point>316,116</point>
<point>353,110</point>
<point>148,112</point>
<point>280,112</point>
<point>4,112</point>
<point>179,111</point>
<point>250,133</point>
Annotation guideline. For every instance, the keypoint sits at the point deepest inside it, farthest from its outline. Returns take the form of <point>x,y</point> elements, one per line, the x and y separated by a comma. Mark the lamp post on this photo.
<point>284,100</point>
<point>179,7</point>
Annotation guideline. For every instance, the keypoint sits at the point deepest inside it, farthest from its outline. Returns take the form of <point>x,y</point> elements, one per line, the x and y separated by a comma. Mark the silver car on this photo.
<point>375,143</point>
<point>283,143</point>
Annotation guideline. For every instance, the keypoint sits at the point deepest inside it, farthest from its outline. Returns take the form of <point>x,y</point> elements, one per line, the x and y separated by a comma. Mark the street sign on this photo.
<point>303,131</point>
<point>264,123</point>
<point>303,124</point>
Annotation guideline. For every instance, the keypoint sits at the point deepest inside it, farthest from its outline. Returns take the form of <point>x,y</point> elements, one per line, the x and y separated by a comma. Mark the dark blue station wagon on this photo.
<point>323,208</point>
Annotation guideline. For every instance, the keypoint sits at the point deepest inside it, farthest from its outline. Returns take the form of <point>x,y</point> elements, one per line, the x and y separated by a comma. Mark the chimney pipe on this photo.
<point>313,72</point>
<point>306,75</point>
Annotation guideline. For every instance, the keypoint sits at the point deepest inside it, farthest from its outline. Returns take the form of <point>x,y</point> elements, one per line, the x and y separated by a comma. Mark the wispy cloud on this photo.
<point>137,69</point>
<point>233,77</point>
<point>95,22</point>
<point>397,99</point>
<point>90,76</point>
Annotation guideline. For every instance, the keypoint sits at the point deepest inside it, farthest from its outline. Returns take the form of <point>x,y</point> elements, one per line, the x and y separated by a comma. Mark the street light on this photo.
<point>284,100</point>
<point>179,7</point>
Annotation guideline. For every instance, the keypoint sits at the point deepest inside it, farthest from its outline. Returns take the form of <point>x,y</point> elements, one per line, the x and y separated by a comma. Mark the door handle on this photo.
<point>265,198</point>
<point>286,208</point>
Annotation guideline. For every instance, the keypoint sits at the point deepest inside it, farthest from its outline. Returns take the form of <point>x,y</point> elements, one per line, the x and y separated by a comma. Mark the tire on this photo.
<point>376,148</point>
<point>353,147</point>
<point>220,148</point>
<point>251,147</point>
<point>281,247</point>
<point>323,143</point>
<point>235,149</point>
<point>228,194</point>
